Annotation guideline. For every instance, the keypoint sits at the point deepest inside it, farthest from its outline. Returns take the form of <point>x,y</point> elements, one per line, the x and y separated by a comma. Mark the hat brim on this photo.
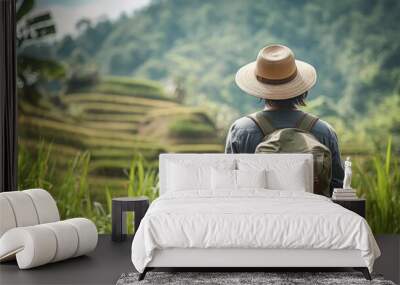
<point>305,79</point>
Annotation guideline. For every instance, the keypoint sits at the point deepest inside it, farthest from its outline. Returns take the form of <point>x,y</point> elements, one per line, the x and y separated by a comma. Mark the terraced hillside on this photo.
<point>114,120</point>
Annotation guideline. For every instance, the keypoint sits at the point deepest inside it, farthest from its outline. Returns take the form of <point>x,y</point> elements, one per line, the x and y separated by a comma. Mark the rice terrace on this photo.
<point>115,120</point>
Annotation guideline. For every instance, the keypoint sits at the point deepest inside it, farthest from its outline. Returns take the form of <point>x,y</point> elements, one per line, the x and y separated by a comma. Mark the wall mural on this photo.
<point>103,89</point>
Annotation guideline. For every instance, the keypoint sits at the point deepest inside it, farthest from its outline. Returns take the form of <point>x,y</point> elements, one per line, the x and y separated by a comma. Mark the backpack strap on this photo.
<point>307,122</point>
<point>262,122</point>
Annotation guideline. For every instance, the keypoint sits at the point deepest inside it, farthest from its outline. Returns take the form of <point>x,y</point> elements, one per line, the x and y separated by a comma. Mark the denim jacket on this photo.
<point>244,136</point>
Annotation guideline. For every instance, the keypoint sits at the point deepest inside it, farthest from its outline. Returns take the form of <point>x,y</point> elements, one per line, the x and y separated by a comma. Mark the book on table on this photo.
<point>345,194</point>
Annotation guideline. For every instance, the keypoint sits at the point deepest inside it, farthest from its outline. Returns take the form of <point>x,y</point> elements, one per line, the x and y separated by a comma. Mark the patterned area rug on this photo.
<point>243,278</point>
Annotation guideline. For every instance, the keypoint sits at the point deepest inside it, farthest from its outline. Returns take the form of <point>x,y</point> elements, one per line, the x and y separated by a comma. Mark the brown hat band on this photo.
<point>277,81</point>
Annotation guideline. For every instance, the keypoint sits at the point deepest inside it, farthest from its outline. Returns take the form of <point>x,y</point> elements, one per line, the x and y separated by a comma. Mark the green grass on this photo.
<point>112,98</point>
<point>200,148</point>
<point>378,180</point>
<point>71,189</point>
<point>35,169</point>
<point>132,144</point>
<point>115,88</point>
<point>58,149</point>
<point>111,117</point>
<point>38,112</point>
<point>129,127</point>
<point>185,128</point>
<point>108,108</point>
<point>110,163</point>
<point>127,87</point>
<point>114,183</point>
<point>134,83</point>
<point>81,133</point>
<point>122,153</point>
<point>176,111</point>
<point>142,182</point>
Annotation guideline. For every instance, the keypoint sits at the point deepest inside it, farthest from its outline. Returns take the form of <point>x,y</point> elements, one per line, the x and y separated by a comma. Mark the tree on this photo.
<point>32,70</point>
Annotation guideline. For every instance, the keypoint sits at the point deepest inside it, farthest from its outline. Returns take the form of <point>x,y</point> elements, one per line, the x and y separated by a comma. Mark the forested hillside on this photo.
<point>201,44</point>
<point>352,43</point>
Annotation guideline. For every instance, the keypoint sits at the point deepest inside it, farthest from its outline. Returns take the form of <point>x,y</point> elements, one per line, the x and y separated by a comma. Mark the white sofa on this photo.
<point>31,231</point>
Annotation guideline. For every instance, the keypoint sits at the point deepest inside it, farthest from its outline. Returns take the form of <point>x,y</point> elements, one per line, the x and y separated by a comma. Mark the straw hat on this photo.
<point>276,74</point>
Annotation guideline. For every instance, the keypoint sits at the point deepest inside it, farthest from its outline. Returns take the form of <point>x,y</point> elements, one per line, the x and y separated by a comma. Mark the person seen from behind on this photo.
<point>283,82</point>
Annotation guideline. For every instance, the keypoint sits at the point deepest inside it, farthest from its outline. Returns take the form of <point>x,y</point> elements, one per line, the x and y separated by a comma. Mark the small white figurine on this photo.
<point>347,174</point>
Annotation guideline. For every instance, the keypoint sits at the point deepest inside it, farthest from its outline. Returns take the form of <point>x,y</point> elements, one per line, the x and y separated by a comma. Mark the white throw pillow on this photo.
<point>293,179</point>
<point>251,178</point>
<point>230,180</point>
<point>280,175</point>
<point>185,178</point>
<point>185,174</point>
<point>223,179</point>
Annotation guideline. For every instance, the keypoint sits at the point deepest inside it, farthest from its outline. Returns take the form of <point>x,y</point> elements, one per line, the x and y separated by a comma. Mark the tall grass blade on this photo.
<point>132,179</point>
<point>381,188</point>
<point>388,155</point>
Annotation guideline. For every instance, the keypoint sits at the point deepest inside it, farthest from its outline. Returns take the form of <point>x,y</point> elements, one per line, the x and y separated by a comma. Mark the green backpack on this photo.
<point>297,140</point>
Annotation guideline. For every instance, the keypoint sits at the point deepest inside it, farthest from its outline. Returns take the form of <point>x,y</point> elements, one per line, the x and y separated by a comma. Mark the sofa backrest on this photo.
<point>276,161</point>
<point>26,208</point>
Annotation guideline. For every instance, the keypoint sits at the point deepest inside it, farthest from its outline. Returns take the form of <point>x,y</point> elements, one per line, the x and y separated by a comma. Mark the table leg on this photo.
<point>116,217</point>
<point>124,230</point>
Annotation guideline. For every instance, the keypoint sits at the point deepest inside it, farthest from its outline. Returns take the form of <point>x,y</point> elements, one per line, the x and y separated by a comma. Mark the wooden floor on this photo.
<point>110,260</point>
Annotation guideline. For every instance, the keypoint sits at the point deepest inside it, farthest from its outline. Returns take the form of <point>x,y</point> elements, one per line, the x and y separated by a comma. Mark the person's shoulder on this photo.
<point>244,124</point>
<point>323,128</point>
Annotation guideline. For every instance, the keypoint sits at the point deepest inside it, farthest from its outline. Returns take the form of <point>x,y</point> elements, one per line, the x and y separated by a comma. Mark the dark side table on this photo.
<point>120,206</point>
<point>355,205</point>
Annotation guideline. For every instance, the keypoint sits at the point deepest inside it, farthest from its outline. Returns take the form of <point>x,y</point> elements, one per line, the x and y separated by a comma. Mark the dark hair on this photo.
<point>288,103</point>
